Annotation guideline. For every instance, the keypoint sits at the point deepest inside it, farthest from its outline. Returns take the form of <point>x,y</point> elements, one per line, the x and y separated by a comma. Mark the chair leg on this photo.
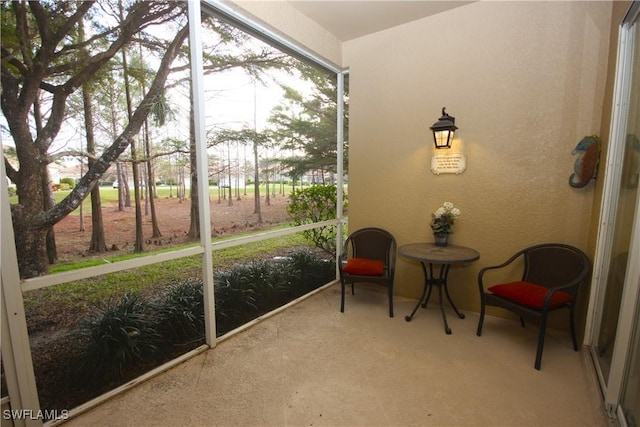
<point>481,320</point>
<point>390,301</point>
<point>522,321</point>
<point>342,299</point>
<point>573,328</point>
<point>543,327</point>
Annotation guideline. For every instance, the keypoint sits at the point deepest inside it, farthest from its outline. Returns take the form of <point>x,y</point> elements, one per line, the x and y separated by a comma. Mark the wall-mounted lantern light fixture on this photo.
<point>443,130</point>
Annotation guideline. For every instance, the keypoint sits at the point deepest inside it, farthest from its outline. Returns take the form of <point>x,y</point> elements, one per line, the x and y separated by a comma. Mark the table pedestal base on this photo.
<point>441,282</point>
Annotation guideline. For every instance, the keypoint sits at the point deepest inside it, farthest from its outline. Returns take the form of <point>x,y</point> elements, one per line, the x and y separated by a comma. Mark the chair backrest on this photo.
<point>372,243</point>
<point>555,264</point>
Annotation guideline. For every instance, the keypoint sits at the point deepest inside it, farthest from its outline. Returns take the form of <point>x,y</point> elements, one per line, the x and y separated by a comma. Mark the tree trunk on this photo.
<point>194,225</point>
<point>47,193</point>
<point>256,183</point>
<point>238,171</point>
<point>139,242</point>
<point>30,237</point>
<point>48,202</point>
<point>229,174</point>
<point>98,241</point>
<point>267,197</point>
<point>120,193</point>
<point>31,244</point>
<point>126,191</point>
<point>155,227</point>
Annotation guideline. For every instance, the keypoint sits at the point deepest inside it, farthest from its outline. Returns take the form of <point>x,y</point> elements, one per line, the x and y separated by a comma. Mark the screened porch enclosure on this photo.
<point>213,247</point>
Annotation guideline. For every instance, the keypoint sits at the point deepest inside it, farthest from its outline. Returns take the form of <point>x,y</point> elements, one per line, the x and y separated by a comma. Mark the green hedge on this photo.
<point>134,332</point>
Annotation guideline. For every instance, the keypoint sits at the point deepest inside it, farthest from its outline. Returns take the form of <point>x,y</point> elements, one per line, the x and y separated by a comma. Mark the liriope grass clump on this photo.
<point>133,331</point>
<point>179,312</point>
<point>121,334</point>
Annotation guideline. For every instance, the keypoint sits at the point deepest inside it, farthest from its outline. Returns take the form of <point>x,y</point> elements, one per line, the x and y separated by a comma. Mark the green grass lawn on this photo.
<point>109,194</point>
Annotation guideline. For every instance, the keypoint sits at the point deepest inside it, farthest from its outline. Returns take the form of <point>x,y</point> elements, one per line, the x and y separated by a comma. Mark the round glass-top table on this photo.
<point>445,256</point>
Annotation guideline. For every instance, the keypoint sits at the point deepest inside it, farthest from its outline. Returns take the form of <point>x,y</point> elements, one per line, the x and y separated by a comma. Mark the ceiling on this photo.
<point>349,19</point>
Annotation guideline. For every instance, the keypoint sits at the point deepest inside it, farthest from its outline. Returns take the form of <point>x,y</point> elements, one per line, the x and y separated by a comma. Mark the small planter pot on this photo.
<point>441,239</point>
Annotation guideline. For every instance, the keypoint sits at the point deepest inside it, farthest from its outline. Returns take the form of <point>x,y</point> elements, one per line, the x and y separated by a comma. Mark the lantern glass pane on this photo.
<point>443,138</point>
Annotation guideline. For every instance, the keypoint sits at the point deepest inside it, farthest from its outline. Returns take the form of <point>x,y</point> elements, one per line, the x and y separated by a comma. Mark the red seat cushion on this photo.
<point>364,267</point>
<point>529,294</point>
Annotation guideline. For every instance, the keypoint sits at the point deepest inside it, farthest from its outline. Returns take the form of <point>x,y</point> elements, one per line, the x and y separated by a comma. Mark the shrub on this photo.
<point>132,331</point>
<point>307,271</point>
<point>250,289</point>
<point>179,312</point>
<point>269,281</point>
<point>235,295</point>
<point>314,204</point>
<point>71,183</point>
<point>120,335</point>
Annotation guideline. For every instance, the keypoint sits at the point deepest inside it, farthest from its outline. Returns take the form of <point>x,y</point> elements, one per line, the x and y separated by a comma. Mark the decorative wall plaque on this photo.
<point>448,163</point>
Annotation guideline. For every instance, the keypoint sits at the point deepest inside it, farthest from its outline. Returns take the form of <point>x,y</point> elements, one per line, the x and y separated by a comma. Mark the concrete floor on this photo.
<point>313,366</point>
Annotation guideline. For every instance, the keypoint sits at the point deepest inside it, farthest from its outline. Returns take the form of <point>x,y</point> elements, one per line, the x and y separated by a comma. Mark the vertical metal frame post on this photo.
<point>197,88</point>
<point>16,349</point>
<point>340,165</point>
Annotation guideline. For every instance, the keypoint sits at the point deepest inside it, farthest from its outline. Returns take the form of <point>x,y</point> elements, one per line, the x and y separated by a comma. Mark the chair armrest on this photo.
<point>573,284</point>
<point>344,256</point>
<point>495,267</point>
<point>342,261</point>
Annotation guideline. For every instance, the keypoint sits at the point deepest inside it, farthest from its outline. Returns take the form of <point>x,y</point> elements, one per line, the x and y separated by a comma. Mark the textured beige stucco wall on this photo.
<point>280,17</point>
<point>525,81</point>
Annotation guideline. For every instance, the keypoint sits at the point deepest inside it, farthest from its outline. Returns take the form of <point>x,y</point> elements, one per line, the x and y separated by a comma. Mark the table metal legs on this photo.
<point>440,282</point>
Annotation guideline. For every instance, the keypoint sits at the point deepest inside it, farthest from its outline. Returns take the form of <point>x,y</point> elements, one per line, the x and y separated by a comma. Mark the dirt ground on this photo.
<point>173,219</point>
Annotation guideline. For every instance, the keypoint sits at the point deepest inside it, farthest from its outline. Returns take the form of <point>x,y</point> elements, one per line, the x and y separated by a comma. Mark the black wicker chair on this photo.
<point>369,256</point>
<point>551,276</point>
